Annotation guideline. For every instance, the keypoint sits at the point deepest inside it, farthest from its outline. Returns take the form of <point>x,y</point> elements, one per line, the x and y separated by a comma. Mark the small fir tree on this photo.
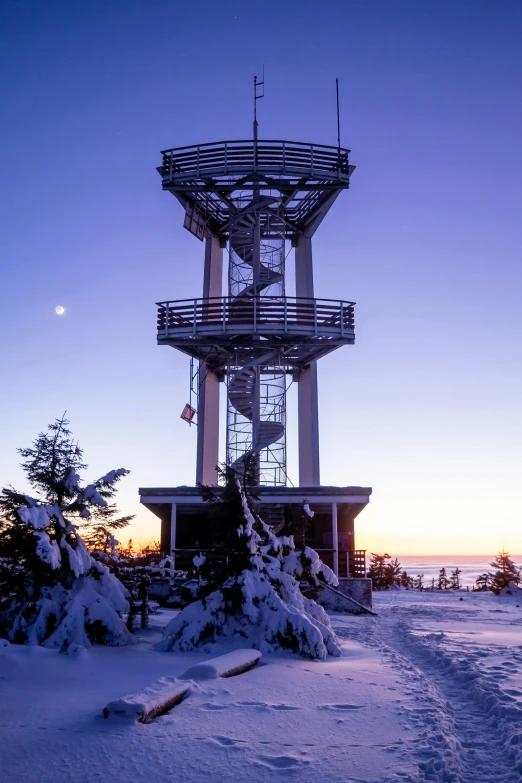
<point>484,582</point>
<point>443,582</point>
<point>52,591</point>
<point>419,582</point>
<point>252,593</point>
<point>406,581</point>
<point>395,570</point>
<point>384,572</point>
<point>506,575</point>
<point>378,571</point>
<point>455,583</point>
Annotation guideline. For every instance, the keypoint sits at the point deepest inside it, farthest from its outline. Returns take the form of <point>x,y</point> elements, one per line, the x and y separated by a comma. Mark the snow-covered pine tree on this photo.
<point>52,591</point>
<point>418,583</point>
<point>252,594</point>
<point>506,574</point>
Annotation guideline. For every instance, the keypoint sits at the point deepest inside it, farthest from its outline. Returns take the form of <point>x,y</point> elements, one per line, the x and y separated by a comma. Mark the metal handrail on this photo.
<point>236,155</point>
<point>287,314</point>
<point>259,142</point>
<point>309,299</point>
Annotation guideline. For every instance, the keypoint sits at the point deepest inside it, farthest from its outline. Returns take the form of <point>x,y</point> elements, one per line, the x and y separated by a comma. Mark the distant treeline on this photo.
<point>387,573</point>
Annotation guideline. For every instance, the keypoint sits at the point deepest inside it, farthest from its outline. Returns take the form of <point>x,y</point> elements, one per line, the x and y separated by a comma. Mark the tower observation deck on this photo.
<point>255,204</point>
<point>256,200</point>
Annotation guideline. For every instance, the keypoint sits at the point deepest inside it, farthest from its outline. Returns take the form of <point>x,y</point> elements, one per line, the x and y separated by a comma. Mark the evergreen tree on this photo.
<point>406,581</point>
<point>419,582</point>
<point>379,571</point>
<point>484,581</point>
<point>395,569</point>
<point>253,591</point>
<point>443,582</point>
<point>384,572</point>
<point>297,523</point>
<point>52,591</point>
<point>455,583</point>
<point>506,574</point>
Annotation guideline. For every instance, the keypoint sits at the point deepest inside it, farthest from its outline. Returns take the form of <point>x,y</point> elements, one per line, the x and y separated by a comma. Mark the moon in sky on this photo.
<point>59,310</point>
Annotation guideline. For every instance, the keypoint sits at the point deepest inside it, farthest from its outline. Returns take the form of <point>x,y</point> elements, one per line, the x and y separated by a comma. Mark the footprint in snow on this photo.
<point>282,707</point>
<point>208,705</point>
<point>225,741</point>
<point>280,762</point>
<point>258,704</point>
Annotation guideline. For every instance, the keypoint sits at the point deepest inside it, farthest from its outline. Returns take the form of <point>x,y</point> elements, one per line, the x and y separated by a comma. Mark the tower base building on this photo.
<point>254,204</point>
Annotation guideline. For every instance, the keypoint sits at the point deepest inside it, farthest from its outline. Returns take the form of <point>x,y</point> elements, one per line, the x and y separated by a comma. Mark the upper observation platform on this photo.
<point>215,329</point>
<point>220,179</point>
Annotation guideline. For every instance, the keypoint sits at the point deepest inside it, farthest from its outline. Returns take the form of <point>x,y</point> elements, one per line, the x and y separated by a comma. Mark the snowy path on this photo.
<point>470,726</point>
<point>334,721</point>
<point>430,690</point>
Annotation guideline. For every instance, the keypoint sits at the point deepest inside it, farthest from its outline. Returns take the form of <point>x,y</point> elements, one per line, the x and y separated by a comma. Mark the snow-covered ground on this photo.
<point>431,689</point>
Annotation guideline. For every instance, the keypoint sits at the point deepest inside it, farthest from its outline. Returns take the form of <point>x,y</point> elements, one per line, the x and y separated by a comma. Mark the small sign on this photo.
<point>194,222</point>
<point>188,413</point>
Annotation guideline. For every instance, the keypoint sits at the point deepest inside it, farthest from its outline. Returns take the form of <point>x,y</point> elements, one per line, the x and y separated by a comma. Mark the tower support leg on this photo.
<point>335,540</point>
<point>173,532</point>
<point>213,271</point>
<point>208,402</point>
<point>308,427</point>
<point>307,399</point>
<point>208,427</point>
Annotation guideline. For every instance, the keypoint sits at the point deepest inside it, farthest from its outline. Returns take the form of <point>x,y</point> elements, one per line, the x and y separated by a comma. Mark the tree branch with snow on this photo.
<point>254,593</point>
<point>52,591</point>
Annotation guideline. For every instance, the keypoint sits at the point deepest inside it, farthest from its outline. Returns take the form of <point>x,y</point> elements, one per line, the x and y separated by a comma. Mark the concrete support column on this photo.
<point>208,403</point>
<point>304,272</point>
<point>208,427</point>
<point>173,533</point>
<point>308,427</point>
<point>213,270</point>
<point>335,540</point>
<point>307,398</point>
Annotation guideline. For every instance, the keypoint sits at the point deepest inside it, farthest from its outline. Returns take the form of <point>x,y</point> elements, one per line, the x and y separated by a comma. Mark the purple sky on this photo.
<point>427,407</point>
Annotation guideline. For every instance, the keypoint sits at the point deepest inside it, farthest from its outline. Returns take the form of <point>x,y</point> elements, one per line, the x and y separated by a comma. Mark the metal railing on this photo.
<point>277,315</point>
<point>354,563</point>
<point>230,157</point>
<point>351,563</point>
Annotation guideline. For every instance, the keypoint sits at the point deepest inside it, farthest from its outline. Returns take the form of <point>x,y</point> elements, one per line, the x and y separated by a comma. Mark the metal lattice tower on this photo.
<point>258,199</point>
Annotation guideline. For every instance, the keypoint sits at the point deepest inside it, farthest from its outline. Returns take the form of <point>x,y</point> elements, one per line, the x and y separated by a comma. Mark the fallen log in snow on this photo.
<point>227,665</point>
<point>168,691</point>
<point>149,703</point>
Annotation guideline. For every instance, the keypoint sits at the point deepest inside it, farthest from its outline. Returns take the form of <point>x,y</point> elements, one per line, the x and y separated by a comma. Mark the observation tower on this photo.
<point>255,204</point>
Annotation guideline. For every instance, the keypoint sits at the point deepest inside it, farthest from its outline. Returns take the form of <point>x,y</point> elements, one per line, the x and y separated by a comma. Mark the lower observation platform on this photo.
<point>186,528</point>
<point>214,329</point>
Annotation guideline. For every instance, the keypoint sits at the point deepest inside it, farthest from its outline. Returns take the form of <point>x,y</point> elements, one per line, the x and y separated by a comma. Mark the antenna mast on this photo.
<point>338,119</point>
<point>257,95</point>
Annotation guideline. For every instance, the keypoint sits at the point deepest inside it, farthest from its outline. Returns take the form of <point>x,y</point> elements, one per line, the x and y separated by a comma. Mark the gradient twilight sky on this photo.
<point>427,406</point>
